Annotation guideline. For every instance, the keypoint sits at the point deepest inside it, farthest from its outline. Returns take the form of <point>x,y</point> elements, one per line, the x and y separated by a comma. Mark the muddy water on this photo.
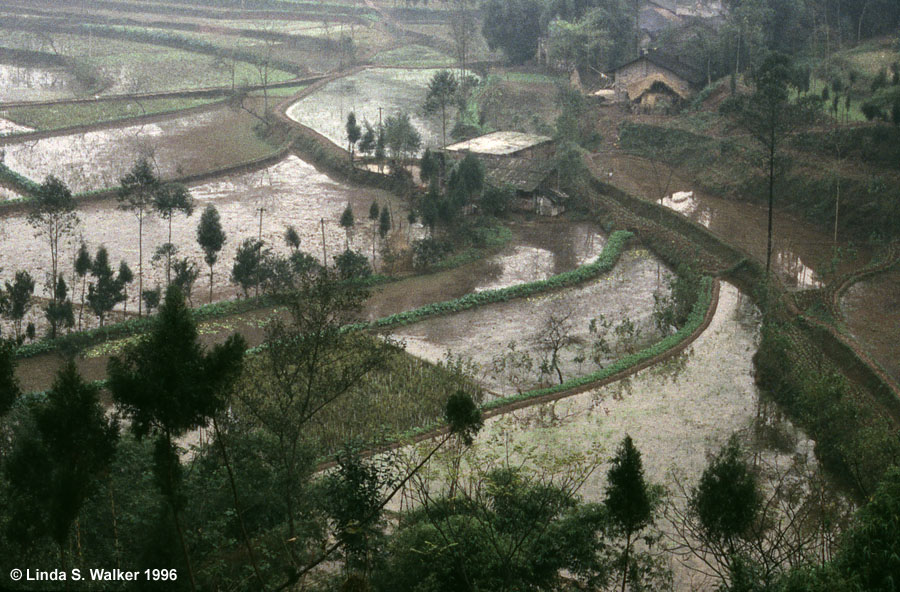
<point>291,192</point>
<point>98,159</point>
<point>7,193</point>
<point>485,333</point>
<point>389,89</point>
<point>871,309</point>
<point>799,247</point>
<point>29,83</point>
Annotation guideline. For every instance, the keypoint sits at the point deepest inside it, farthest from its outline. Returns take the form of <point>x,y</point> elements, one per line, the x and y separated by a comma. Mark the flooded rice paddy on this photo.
<point>391,90</point>
<point>508,341</point>
<point>291,192</point>
<point>664,408</point>
<point>871,309</point>
<point>10,127</point>
<point>799,247</point>
<point>178,146</point>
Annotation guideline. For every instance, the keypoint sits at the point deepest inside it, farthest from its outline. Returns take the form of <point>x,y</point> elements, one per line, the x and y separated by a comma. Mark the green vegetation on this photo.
<point>413,55</point>
<point>52,117</point>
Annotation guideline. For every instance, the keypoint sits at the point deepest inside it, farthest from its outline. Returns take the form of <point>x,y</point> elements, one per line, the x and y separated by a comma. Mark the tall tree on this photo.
<point>629,500</point>
<point>442,90</point>
<point>211,238</point>
<point>126,276</point>
<point>83,264</point>
<point>19,294</point>
<point>367,142</point>
<point>513,26</point>
<point>52,214</point>
<point>248,265</point>
<point>354,133</point>
<point>292,238</point>
<point>401,138</point>
<point>167,386</point>
<point>168,200</point>
<point>769,115</point>
<point>347,223</point>
<point>136,194</point>
<point>60,312</point>
<point>107,290</point>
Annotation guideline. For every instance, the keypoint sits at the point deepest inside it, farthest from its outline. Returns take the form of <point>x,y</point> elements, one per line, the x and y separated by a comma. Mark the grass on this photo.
<point>50,117</point>
<point>414,55</point>
<point>284,91</point>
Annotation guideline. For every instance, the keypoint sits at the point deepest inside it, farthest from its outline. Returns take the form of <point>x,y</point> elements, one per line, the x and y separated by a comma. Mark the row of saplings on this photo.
<point>247,509</point>
<point>53,214</point>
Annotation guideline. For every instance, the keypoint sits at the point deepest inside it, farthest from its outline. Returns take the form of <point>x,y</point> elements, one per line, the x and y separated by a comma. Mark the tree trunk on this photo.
<point>237,506</point>
<point>140,260</point>
<point>210,283</point>
<point>771,203</point>
<point>625,565</point>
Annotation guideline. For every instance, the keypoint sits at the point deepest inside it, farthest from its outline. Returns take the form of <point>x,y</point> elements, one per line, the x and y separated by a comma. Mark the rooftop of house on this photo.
<point>670,63</point>
<point>499,143</point>
<point>522,174</point>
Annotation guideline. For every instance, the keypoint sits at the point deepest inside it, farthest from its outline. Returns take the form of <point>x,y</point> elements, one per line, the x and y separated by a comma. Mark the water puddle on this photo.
<point>31,83</point>
<point>370,94</point>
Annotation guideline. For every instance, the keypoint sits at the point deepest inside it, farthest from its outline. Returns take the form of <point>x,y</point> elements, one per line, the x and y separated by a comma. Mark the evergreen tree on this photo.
<point>353,133</point>
<point>628,500</point>
<point>60,312</point>
<point>19,300</point>
<point>82,267</point>
<point>368,140</point>
<point>126,277</point>
<point>168,386</point>
<point>292,238</point>
<point>55,468</point>
<point>211,238</point>
<point>347,223</point>
<point>384,223</point>
<point>247,268</point>
<point>106,291</point>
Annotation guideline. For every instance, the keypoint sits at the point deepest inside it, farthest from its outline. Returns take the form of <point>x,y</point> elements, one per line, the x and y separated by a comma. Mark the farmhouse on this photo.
<point>654,79</point>
<point>522,162</point>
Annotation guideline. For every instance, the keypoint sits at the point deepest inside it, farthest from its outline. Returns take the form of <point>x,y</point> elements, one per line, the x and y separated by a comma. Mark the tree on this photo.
<point>106,290</point>
<point>167,200</point>
<point>367,142</point>
<point>554,336</point>
<point>82,267</point>
<point>769,116</point>
<point>248,264</point>
<point>167,386</point>
<point>211,238</point>
<point>384,223</point>
<point>60,312</point>
<point>351,264</point>
<point>52,214</point>
<point>401,138</point>
<point>380,144</point>
<point>468,182</point>
<point>310,361</point>
<point>374,212</point>
<point>353,503</point>
<point>463,24</point>
<point>629,501</point>
<point>136,194</point>
<point>292,238</point>
<point>727,499</point>
<point>353,133</point>
<point>513,26</point>
<point>442,90</point>
<point>186,273</point>
<point>53,470</point>
<point>126,277</point>
<point>19,300</point>
<point>428,167</point>
<point>347,223</point>
<point>9,384</point>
